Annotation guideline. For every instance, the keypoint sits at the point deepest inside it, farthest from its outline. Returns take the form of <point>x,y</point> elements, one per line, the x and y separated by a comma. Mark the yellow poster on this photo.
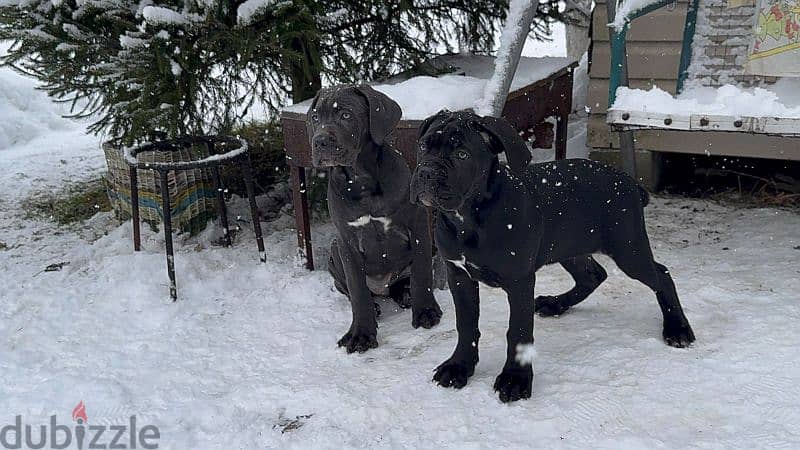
<point>775,48</point>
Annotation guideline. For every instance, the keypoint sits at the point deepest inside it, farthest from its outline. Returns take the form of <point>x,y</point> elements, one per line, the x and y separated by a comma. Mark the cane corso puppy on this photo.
<point>384,246</point>
<point>498,225</point>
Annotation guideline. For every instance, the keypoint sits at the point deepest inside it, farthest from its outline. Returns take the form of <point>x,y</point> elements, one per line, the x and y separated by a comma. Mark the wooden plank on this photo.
<point>628,119</point>
<point>597,93</point>
<point>648,119</point>
<point>646,60</point>
<point>709,143</point>
<point>743,124</point>
<point>603,2</point>
<point>665,24</point>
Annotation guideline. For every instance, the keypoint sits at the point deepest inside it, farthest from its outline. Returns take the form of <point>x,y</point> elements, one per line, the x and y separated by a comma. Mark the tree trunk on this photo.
<point>306,71</point>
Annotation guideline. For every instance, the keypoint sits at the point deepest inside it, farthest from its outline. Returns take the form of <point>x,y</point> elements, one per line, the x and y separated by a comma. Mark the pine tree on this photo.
<point>149,69</point>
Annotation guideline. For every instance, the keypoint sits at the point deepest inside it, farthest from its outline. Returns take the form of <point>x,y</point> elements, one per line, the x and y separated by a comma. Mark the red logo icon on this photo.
<point>79,413</point>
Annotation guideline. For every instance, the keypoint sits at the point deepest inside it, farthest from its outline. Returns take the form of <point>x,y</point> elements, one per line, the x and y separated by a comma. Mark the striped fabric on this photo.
<point>192,195</point>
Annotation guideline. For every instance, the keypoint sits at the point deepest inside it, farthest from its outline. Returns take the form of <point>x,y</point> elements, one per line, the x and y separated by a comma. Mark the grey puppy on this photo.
<point>384,247</point>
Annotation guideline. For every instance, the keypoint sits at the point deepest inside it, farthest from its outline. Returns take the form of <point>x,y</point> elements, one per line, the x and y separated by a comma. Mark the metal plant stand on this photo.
<point>238,154</point>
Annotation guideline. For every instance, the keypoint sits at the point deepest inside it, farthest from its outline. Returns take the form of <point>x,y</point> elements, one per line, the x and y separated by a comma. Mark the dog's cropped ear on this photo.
<point>502,137</point>
<point>384,113</point>
<point>429,121</point>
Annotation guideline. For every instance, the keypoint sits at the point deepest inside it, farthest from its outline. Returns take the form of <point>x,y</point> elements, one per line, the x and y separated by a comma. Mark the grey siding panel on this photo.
<point>646,60</point>
<point>656,26</point>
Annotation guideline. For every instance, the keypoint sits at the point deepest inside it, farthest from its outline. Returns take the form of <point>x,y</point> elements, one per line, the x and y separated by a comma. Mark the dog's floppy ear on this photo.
<point>429,121</point>
<point>311,109</point>
<point>502,137</point>
<point>384,113</point>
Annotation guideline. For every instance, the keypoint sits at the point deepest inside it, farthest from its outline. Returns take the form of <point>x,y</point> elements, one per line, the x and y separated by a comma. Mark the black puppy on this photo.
<point>384,247</point>
<point>499,225</point>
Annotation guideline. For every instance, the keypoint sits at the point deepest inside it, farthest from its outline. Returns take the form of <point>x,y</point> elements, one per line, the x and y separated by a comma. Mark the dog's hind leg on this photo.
<point>400,292</point>
<point>588,275</point>
<point>636,259</point>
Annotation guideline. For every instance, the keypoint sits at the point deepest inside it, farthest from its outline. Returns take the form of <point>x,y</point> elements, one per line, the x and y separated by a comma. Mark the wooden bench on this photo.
<point>724,45</point>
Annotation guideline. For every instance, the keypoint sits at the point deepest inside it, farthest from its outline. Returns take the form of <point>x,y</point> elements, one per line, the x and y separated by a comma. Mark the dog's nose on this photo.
<point>421,184</point>
<point>323,141</point>
<point>426,173</point>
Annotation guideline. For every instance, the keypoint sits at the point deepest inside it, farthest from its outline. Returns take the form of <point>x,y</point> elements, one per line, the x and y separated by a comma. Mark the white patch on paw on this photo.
<point>526,354</point>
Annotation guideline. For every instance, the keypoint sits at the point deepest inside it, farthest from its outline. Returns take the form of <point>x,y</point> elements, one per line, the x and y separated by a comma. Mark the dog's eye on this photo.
<point>462,154</point>
<point>346,115</point>
<point>315,117</point>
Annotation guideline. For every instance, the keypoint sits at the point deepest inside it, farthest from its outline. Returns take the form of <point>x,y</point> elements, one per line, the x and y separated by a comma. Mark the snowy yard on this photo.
<point>247,357</point>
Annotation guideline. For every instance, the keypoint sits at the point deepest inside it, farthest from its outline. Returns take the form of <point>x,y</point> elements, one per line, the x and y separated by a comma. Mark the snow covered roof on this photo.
<point>463,87</point>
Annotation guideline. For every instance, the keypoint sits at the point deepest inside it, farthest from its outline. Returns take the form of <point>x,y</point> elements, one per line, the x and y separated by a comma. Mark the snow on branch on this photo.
<point>157,15</point>
<point>249,9</point>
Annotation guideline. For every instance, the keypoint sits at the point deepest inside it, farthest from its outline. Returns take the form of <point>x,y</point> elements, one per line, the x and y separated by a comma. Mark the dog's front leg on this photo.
<point>425,312</point>
<point>456,371</point>
<point>516,380</point>
<point>363,332</point>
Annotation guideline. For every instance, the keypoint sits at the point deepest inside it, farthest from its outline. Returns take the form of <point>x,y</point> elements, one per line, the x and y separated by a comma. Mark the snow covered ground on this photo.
<point>247,357</point>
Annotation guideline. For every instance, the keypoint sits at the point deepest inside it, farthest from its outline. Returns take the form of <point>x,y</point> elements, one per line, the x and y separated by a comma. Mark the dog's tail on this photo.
<point>644,195</point>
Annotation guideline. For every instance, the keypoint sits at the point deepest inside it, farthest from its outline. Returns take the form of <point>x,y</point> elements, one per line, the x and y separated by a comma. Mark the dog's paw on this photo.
<point>402,296</point>
<point>426,316</point>
<point>453,374</point>
<point>548,306</point>
<point>679,335</point>
<point>514,384</point>
<point>358,341</point>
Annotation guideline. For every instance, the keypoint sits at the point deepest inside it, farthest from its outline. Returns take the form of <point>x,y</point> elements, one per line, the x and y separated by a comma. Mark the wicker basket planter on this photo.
<point>182,197</point>
<point>192,193</point>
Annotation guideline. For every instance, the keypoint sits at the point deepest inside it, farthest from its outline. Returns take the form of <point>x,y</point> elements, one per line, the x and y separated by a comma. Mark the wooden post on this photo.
<point>301,213</point>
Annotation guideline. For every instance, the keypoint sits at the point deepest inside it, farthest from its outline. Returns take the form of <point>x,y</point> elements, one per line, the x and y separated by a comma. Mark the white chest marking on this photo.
<point>365,220</point>
<point>461,263</point>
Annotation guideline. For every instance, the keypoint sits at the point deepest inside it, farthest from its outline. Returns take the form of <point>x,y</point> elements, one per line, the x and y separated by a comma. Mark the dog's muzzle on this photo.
<point>425,184</point>
<point>325,151</point>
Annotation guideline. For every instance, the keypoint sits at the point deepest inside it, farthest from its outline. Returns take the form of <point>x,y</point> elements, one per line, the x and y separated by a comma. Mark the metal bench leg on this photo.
<point>561,136</point>
<point>137,236</point>
<point>222,211</point>
<point>251,197</point>
<point>628,149</point>
<point>301,215</point>
<point>173,291</point>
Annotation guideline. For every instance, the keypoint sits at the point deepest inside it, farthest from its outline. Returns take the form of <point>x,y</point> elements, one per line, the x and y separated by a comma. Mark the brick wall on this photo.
<point>724,31</point>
